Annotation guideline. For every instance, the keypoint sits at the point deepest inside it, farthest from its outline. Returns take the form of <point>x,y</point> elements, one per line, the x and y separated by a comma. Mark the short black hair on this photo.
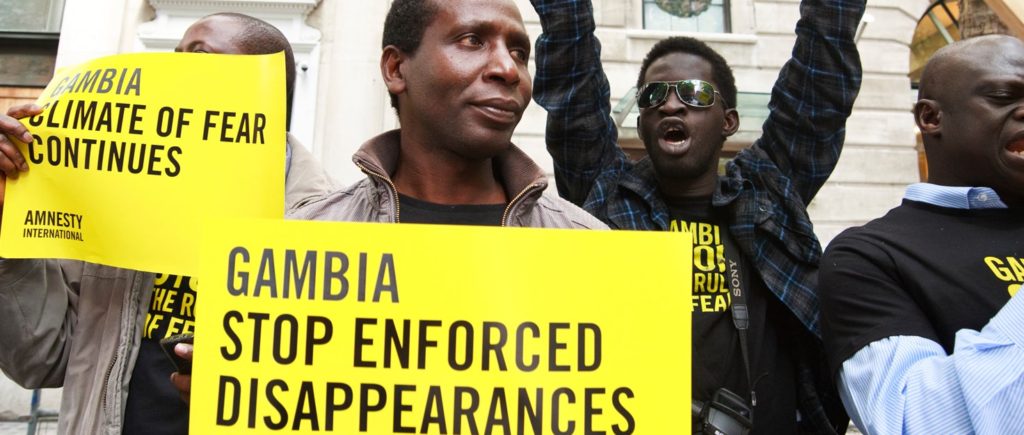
<point>406,22</point>
<point>261,37</point>
<point>720,71</point>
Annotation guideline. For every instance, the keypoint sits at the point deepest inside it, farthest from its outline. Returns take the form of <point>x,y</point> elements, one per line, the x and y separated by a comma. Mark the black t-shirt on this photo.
<point>154,406</point>
<point>920,270</point>
<point>415,211</point>
<point>717,355</point>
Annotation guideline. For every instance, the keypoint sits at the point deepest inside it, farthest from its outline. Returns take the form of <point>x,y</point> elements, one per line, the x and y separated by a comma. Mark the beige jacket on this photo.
<point>78,325</point>
<point>375,198</point>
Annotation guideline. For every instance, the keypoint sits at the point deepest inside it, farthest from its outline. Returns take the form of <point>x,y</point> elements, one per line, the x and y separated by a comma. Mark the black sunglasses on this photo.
<point>695,93</point>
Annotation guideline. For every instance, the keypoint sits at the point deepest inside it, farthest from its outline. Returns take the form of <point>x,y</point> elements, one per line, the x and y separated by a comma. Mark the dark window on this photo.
<point>29,33</point>
<point>26,59</point>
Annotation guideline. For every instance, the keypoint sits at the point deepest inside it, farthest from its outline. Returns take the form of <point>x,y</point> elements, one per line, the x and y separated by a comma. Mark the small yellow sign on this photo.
<point>383,328</point>
<point>133,151</point>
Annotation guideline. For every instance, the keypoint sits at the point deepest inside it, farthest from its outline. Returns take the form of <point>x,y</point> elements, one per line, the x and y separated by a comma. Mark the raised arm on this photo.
<point>814,95</point>
<point>571,85</point>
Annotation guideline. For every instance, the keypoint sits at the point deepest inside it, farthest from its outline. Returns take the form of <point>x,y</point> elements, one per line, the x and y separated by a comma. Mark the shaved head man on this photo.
<point>921,322</point>
<point>969,117</point>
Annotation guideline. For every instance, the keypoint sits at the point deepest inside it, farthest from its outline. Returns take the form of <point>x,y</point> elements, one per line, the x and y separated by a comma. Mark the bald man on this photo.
<point>921,325</point>
<point>95,330</point>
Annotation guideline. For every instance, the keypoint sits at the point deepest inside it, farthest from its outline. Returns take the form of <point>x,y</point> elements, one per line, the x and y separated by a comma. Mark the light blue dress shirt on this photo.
<point>907,384</point>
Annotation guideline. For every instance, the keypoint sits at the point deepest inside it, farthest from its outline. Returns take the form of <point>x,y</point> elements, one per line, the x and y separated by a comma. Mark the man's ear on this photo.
<point>391,62</point>
<point>928,116</point>
<point>732,123</point>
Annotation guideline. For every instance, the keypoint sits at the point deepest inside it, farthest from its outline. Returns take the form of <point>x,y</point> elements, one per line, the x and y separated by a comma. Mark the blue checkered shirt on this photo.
<point>766,187</point>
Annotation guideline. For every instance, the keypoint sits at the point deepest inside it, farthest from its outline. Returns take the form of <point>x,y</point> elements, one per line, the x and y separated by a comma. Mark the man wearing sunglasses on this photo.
<point>756,342</point>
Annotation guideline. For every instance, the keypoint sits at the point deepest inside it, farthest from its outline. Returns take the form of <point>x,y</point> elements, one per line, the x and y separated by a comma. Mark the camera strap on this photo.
<point>737,280</point>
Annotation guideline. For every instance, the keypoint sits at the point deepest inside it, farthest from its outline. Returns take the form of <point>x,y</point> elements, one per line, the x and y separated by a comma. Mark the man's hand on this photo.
<point>183,382</point>
<point>11,160</point>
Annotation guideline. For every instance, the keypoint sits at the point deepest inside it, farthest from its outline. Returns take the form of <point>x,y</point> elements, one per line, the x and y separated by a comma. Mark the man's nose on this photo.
<point>502,66</point>
<point>1018,112</point>
<point>672,103</point>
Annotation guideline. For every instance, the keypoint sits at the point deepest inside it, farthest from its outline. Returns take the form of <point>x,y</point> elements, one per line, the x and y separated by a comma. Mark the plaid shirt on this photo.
<point>766,187</point>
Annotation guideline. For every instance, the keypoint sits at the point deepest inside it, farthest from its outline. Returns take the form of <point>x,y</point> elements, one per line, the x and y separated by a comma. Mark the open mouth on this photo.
<point>674,135</point>
<point>673,132</point>
<point>1016,147</point>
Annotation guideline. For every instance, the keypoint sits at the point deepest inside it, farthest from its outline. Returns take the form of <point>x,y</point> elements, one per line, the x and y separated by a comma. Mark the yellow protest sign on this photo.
<point>382,328</point>
<point>133,150</point>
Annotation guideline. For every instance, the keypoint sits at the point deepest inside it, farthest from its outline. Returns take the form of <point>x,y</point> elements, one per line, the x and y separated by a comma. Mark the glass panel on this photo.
<point>31,15</point>
<point>713,20</point>
<point>928,37</point>
<point>753,110</point>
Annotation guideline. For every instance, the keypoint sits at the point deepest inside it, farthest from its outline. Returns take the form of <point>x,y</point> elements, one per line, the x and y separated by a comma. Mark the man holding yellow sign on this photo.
<point>95,329</point>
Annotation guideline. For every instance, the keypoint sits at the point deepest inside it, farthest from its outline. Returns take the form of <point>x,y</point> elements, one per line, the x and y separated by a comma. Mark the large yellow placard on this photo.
<point>133,151</point>
<point>380,328</point>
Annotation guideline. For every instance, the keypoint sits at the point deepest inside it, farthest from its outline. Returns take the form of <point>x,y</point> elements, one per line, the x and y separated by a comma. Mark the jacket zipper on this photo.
<point>508,209</point>
<point>393,190</point>
<point>126,304</point>
<point>106,380</point>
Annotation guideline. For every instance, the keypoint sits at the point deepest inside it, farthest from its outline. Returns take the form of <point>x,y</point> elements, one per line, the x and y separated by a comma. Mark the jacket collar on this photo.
<point>516,171</point>
<point>642,181</point>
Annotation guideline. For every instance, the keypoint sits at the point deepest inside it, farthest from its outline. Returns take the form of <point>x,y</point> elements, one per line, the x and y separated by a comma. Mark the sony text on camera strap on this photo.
<point>737,280</point>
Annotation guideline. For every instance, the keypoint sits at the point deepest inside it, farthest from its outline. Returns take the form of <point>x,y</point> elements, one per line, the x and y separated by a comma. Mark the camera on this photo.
<point>726,414</point>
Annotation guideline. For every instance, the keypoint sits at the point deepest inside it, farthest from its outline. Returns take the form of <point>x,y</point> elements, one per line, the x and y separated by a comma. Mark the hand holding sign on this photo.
<point>11,160</point>
<point>183,382</point>
<point>151,143</point>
